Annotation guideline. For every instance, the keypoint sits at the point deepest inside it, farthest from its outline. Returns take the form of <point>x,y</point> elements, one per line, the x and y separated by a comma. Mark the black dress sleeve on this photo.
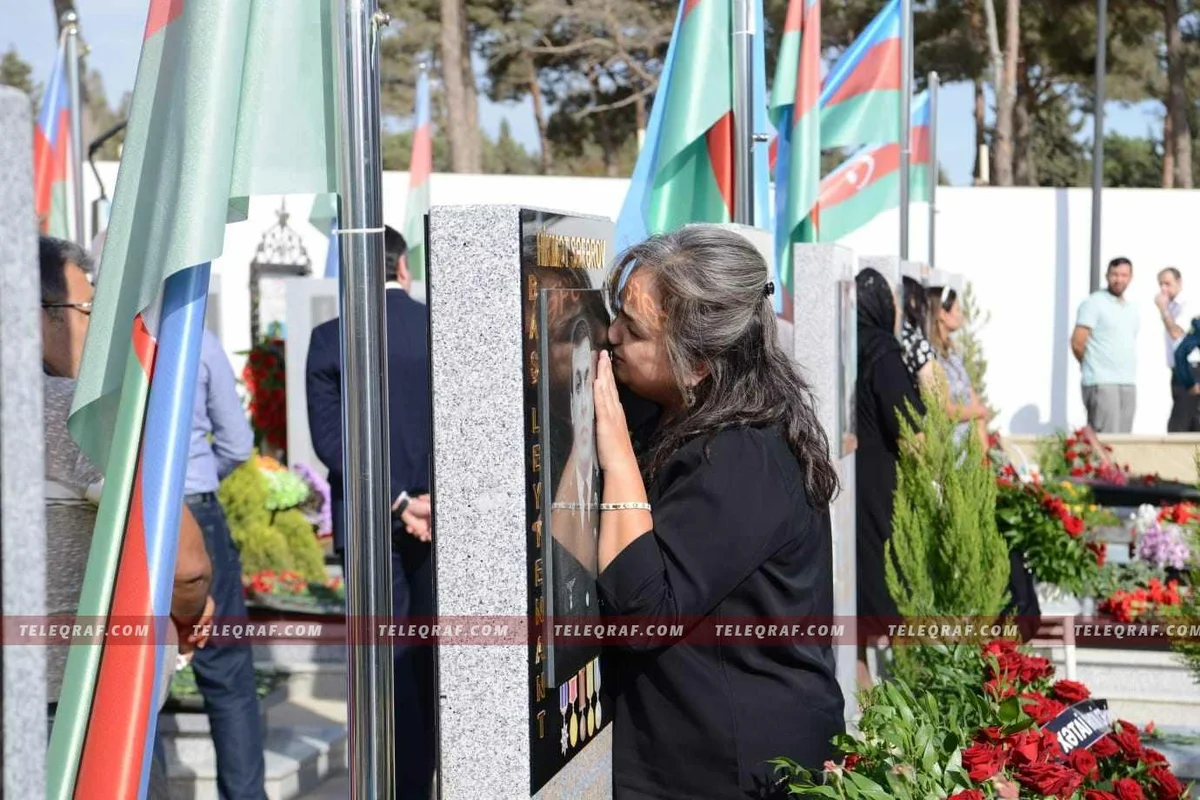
<point>894,391</point>
<point>716,520</point>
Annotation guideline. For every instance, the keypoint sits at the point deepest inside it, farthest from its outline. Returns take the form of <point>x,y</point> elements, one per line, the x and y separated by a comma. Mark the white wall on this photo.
<point>1026,251</point>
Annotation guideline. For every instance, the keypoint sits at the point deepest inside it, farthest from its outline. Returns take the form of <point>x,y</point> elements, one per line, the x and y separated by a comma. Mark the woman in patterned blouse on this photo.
<point>918,355</point>
<point>962,403</point>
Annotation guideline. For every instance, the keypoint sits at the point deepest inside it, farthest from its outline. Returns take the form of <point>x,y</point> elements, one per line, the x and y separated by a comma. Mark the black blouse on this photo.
<point>735,541</point>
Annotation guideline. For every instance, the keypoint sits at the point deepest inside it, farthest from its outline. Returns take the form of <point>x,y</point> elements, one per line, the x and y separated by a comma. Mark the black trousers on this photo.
<point>1185,411</point>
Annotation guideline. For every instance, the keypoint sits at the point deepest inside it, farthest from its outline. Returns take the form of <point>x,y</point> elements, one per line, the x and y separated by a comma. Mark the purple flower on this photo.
<point>319,509</point>
<point>1162,545</point>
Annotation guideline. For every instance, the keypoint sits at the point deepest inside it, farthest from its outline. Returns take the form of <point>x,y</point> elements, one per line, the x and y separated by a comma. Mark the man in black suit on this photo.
<point>409,415</point>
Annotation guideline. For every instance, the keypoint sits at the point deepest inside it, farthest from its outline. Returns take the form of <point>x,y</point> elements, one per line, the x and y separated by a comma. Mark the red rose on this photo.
<point>1128,740</point>
<point>982,761</point>
<point>1070,455</point>
<point>1105,747</point>
<point>852,760</point>
<point>991,734</point>
<point>1034,667</point>
<point>1152,756</point>
<point>1025,747</point>
<point>1128,789</point>
<point>968,794</point>
<point>1083,762</point>
<point>1100,551</point>
<point>999,689</point>
<point>1050,779</point>
<point>1041,708</point>
<point>1071,692</point>
<point>1166,785</point>
<point>1098,794</point>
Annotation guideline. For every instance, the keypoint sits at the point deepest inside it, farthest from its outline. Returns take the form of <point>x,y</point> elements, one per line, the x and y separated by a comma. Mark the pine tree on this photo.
<point>974,320</point>
<point>946,556</point>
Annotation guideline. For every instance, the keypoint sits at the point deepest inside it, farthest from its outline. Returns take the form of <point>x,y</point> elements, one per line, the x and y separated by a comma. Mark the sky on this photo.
<point>113,31</point>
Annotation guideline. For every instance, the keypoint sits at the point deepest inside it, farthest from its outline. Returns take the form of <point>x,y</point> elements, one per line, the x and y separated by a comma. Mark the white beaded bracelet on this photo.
<point>624,506</point>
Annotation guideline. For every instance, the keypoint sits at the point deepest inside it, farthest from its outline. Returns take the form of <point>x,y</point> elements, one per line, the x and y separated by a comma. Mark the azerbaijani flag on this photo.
<point>868,183</point>
<point>231,99</point>
<point>795,113</point>
<point>51,152</point>
<point>684,172</point>
<point>420,167</point>
<point>860,101</point>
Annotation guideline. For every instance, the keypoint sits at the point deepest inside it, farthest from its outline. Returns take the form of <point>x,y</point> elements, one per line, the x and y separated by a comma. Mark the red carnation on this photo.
<point>1041,708</point>
<point>1128,789</point>
<point>1050,779</point>
<point>1166,785</point>
<point>1071,692</point>
<point>1107,746</point>
<point>982,761</point>
<point>1083,762</point>
<point>968,794</point>
<point>1073,525</point>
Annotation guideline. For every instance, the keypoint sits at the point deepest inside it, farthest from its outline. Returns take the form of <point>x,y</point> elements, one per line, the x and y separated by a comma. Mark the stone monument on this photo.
<point>514,310</point>
<point>22,515</point>
<point>825,345</point>
<point>887,266</point>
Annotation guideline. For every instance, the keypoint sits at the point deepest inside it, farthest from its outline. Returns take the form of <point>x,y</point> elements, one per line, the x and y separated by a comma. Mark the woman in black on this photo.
<point>884,387</point>
<point>719,515</point>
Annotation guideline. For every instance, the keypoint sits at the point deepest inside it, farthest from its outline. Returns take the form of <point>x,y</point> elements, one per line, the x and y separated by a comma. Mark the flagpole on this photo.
<point>70,21</point>
<point>935,84</point>
<point>365,410</point>
<point>906,72</point>
<point>1098,139</point>
<point>743,111</point>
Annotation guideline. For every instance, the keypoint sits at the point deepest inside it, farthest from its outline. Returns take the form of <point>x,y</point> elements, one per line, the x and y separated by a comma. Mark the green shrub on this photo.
<point>280,541</point>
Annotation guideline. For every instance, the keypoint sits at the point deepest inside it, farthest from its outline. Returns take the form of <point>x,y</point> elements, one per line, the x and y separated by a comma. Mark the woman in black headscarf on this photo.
<point>883,389</point>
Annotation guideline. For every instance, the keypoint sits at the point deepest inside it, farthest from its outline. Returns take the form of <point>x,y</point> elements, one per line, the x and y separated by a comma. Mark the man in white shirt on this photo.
<point>1176,319</point>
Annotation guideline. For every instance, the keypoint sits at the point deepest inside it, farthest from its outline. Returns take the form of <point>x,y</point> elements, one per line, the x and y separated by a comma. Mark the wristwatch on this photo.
<point>401,504</point>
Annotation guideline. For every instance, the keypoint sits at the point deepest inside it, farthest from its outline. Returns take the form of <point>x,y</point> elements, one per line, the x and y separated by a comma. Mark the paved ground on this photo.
<point>335,787</point>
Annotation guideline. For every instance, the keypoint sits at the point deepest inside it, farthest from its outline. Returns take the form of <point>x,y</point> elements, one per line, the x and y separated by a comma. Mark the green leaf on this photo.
<point>1010,711</point>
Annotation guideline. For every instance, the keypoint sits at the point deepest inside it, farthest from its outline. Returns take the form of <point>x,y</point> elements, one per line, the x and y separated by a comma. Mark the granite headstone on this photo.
<point>22,515</point>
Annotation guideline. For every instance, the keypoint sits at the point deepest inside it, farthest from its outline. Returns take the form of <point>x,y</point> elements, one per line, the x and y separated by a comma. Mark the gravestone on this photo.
<point>887,266</point>
<point>22,514</point>
<point>513,316</point>
<point>825,337</point>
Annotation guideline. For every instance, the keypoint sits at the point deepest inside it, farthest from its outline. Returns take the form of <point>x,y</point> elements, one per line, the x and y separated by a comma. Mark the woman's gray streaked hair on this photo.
<point>711,282</point>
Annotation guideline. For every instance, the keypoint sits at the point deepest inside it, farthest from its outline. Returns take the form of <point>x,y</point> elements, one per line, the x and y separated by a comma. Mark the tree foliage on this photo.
<point>946,556</point>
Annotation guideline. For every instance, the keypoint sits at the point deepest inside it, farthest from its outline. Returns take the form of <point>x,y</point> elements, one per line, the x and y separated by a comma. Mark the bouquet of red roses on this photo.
<point>265,382</point>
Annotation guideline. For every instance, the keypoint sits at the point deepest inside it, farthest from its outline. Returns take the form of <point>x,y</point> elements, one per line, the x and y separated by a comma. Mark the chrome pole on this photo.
<point>70,23</point>
<point>906,72</point>
<point>1098,136</point>
<point>743,111</point>
<point>364,408</point>
<point>935,84</point>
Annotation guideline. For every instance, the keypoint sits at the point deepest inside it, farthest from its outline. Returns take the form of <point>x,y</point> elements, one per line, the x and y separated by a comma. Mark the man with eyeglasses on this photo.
<point>66,303</point>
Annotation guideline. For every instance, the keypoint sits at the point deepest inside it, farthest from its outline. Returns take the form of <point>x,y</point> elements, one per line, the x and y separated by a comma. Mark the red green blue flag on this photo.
<point>684,172</point>
<point>52,151</point>
<point>231,99</point>
<point>860,101</point>
<point>420,168</point>
<point>868,183</point>
<point>796,115</point>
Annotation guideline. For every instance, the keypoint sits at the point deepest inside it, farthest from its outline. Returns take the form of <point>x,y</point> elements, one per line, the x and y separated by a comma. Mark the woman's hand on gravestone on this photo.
<point>613,445</point>
<point>417,518</point>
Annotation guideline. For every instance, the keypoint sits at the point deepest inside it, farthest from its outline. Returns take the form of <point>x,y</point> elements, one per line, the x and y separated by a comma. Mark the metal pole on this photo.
<point>1098,136</point>
<point>935,84</point>
<point>70,23</point>
<point>364,392</point>
<point>743,111</point>
<point>906,72</point>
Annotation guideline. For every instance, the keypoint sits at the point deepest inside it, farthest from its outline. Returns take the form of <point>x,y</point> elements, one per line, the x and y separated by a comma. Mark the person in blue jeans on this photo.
<point>221,441</point>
